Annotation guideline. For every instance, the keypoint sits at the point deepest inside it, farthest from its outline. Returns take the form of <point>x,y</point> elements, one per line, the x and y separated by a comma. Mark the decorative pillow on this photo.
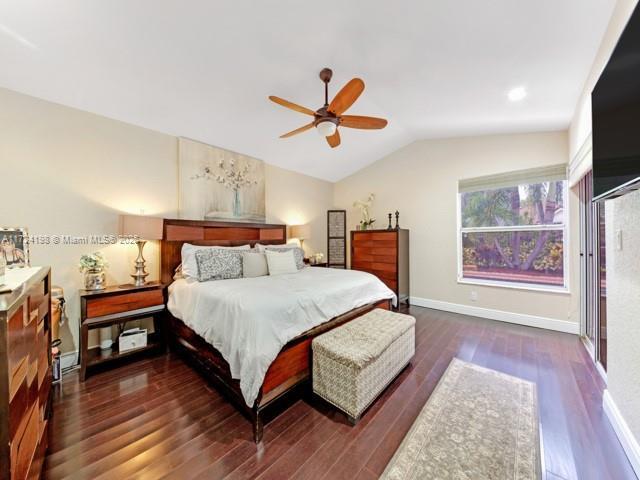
<point>218,264</point>
<point>280,246</point>
<point>298,253</point>
<point>189,266</point>
<point>254,264</point>
<point>281,263</point>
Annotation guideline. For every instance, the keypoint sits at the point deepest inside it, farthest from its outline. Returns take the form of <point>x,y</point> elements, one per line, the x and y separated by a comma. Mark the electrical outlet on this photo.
<point>474,295</point>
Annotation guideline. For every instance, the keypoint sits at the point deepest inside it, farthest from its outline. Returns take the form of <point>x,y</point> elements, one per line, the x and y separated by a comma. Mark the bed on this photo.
<point>252,337</point>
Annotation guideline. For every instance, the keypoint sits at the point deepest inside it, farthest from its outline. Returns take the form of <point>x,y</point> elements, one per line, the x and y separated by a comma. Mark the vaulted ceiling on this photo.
<point>203,68</point>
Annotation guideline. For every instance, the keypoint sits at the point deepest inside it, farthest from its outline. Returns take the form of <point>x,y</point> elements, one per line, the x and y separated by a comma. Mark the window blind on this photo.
<point>510,179</point>
<point>582,162</point>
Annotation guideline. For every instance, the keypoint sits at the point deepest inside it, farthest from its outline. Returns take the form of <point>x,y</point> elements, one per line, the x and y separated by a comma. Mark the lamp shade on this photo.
<point>145,228</point>
<point>301,232</point>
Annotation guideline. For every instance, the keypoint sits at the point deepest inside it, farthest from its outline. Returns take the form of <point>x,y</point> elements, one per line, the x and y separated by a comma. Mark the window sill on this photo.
<point>516,286</point>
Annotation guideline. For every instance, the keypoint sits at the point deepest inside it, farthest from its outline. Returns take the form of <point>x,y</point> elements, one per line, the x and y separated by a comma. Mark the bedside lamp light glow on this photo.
<point>301,232</point>
<point>143,228</point>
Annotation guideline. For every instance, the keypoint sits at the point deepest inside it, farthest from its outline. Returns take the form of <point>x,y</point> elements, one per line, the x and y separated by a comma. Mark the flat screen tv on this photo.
<point>615,103</point>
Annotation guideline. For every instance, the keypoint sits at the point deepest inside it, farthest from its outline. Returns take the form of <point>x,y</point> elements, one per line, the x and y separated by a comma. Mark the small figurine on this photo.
<point>397,218</point>
<point>389,227</point>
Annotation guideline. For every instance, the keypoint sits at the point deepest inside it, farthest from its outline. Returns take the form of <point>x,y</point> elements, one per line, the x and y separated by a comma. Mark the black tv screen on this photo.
<point>615,103</point>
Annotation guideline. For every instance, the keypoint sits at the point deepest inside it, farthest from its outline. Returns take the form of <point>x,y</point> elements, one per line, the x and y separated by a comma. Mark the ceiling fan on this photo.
<point>329,117</point>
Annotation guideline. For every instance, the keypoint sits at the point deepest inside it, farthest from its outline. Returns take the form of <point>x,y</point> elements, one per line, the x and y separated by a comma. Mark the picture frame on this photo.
<point>14,246</point>
<point>217,184</point>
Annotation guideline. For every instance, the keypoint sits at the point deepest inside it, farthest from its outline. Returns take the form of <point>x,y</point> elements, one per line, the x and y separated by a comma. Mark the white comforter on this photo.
<point>249,320</point>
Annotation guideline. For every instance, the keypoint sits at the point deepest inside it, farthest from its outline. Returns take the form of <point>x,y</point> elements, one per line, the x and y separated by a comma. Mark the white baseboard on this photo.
<point>502,316</point>
<point>628,441</point>
<point>69,359</point>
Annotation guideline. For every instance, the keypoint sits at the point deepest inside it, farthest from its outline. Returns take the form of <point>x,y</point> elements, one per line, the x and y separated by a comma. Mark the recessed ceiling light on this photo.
<point>516,94</point>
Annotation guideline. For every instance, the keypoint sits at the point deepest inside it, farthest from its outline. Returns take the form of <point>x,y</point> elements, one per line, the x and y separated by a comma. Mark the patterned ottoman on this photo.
<point>354,363</point>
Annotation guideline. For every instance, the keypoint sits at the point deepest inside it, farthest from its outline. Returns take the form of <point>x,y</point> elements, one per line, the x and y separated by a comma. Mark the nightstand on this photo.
<point>320,264</point>
<point>116,306</point>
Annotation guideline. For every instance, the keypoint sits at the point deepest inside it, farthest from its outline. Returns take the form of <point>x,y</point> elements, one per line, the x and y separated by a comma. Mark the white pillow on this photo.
<point>254,264</point>
<point>188,253</point>
<point>177,273</point>
<point>281,263</point>
<point>298,254</point>
<point>261,248</point>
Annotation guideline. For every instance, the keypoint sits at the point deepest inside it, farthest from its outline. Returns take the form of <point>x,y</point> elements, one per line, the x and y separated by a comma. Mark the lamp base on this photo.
<point>140,275</point>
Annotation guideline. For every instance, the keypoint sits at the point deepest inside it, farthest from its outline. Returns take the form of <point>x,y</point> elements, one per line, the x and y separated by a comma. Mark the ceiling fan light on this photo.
<point>326,128</point>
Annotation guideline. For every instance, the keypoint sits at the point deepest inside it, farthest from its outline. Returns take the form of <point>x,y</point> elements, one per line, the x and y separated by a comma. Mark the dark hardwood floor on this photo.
<point>157,418</point>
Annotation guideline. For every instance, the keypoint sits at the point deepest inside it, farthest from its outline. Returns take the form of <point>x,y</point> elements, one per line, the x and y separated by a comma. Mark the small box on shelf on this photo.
<point>132,339</point>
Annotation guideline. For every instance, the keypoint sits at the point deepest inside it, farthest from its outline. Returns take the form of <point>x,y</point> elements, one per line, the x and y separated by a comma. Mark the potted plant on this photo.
<point>364,207</point>
<point>366,225</point>
<point>93,266</point>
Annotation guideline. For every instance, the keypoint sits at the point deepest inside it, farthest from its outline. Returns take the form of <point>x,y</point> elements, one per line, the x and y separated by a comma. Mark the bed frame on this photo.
<point>291,368</point>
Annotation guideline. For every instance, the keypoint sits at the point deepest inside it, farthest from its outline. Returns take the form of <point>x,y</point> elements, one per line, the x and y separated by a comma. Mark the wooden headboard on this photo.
<point>200,232</point>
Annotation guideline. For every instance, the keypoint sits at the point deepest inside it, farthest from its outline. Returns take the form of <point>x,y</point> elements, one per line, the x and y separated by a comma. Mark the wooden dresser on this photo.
<point>384,253</point>
<point>25,376</point>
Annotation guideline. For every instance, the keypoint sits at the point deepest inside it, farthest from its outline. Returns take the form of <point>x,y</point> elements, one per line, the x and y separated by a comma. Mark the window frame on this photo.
<point>564,227</point>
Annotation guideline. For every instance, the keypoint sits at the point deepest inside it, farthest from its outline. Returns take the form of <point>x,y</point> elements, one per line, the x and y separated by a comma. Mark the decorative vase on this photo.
<point>237,211</point>
<point>364,226</point>
<point>95,279</point>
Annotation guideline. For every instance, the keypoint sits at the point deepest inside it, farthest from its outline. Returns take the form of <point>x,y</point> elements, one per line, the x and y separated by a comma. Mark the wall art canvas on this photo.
<point>14,246</point>
<point>216,184</point>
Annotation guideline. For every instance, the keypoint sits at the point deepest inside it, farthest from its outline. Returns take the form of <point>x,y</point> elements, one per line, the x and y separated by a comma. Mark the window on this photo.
<point>512,229</point>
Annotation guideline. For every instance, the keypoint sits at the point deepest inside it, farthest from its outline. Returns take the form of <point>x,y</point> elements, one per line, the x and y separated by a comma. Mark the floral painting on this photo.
<point>216,184</point>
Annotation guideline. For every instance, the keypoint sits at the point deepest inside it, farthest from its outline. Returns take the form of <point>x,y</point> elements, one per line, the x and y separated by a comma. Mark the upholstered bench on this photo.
<point>354,363</point>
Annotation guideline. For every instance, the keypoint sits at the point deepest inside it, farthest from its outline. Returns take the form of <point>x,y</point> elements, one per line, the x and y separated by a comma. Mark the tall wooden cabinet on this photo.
<point>384,253</point>
<point>25,376</point>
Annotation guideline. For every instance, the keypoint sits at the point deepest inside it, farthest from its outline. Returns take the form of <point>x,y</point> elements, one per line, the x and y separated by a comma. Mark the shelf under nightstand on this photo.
<point>115,306</point>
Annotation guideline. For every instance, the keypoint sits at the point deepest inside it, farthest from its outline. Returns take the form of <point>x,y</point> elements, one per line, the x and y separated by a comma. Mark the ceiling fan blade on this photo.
<point>297,131</point>
<point>334,140</point>
<point>345,97</point>
<point>366,123</point>
<point>292,106</point>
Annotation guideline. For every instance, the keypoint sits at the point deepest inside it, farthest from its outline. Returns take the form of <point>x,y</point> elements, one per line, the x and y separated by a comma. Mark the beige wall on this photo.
<point>420,181</point>
<point>297,199</point>
<point>623,307</point>
<point>68,172</point>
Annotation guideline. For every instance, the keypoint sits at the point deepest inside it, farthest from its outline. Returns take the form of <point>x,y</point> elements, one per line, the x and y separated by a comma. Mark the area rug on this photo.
<point>477,424</point>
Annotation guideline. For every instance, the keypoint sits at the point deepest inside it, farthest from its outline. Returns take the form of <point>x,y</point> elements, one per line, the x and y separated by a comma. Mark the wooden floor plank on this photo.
<point>158,418</point>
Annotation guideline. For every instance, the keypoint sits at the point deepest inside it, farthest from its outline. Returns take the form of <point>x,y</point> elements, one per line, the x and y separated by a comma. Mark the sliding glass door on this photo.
<point>593,273</point>
<point>602,288</point>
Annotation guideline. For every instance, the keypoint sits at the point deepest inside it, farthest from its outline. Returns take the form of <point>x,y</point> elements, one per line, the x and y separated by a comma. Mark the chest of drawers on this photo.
<point>25,376</point>
<point>385,254</point>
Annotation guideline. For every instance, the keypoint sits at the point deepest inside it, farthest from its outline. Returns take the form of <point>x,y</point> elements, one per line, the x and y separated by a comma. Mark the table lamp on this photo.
<point>143,228</point>
<point>301,232</point>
